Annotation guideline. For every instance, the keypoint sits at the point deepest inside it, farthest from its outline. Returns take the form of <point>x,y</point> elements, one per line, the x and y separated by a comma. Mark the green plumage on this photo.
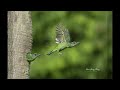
<point>31,57</point>
<point>62,39</point>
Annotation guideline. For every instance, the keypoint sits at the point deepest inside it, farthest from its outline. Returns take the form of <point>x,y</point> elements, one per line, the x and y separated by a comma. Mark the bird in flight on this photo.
<point>62,39</point>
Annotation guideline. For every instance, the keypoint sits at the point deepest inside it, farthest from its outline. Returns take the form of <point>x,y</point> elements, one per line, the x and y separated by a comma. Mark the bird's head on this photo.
<point>72,44</point>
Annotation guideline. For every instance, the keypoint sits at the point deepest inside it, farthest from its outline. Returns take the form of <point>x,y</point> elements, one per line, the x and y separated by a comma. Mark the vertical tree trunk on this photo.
<point>19,43</point>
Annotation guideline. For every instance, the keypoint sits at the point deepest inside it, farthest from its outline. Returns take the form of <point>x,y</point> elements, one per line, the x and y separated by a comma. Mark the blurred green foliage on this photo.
<point>93,29</point>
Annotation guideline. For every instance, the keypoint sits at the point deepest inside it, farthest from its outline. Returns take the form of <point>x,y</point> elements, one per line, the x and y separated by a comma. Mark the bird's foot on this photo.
<point>60,53</point>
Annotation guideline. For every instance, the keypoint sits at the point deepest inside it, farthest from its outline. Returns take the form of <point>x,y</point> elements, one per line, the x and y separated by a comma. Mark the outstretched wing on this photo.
<point>62,34</point>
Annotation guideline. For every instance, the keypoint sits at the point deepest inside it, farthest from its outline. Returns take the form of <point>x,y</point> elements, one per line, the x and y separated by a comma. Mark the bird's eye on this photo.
<point>35,54</point>
<point>73,42</point>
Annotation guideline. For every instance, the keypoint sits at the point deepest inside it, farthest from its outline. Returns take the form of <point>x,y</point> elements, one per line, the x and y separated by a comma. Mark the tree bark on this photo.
<point>19,43</point>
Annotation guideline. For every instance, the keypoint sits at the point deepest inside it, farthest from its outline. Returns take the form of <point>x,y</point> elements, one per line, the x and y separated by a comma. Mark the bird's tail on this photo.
<point>52,52</point>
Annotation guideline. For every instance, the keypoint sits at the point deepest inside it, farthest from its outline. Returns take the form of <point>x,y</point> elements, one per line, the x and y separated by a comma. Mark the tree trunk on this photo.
<point>19,43</point>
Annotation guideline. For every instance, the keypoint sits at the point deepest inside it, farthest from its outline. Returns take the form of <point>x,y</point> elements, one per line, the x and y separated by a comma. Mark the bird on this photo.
<point>31,57</point>
<point>62,39</point>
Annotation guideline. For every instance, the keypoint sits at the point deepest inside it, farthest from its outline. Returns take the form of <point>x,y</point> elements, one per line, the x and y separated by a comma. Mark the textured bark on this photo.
<point>19,43</point>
